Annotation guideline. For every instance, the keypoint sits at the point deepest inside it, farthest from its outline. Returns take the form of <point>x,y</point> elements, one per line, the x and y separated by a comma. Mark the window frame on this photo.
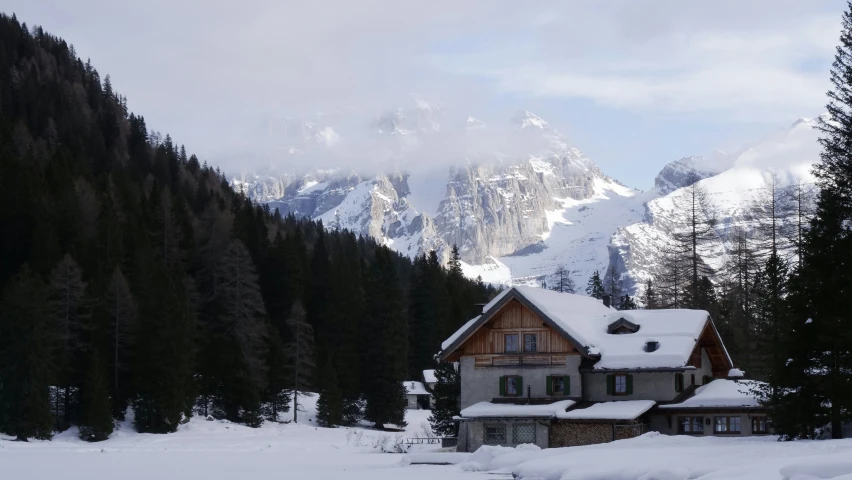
<point>515,432</point>
<point>515,379</point>
<point>501,431</point>
<point>727,423</point>
<point>695,425</point>
<point>534,342</point>
<point>615,382</point>
<point>760,419</point>
<point>506,337</point>
<point>553,380</point>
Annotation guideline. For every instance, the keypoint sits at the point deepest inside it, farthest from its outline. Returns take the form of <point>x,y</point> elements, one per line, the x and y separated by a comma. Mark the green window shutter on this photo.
<point>705,380</point>
<point>630,384</point>
<point>520,391</point>
<point>549,385</point>
<point>566,382</point>
<point>678,382</point>
<point>610,384</point>
<point>502,386</point>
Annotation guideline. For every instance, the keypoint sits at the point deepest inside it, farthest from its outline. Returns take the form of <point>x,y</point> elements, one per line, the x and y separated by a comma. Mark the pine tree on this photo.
<point>385,355</point>
<point>627,303</point>
<point>68,313</point>
<point>96,423</point>
<point>122,314</point>
<point>301,355</point>
<point>240,332</point>
<point>26,357</point>
<point>595,286</point>
<point>446,393</point>
<point>329,404</point>
<point>819,291</point>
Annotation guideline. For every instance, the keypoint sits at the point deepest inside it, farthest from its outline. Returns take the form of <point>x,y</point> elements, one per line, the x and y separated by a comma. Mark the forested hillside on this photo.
<point>132,274</point>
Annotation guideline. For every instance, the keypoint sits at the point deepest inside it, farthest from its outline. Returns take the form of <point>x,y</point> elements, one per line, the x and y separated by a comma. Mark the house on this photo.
<point>558,369</point>
<point>416,395</point>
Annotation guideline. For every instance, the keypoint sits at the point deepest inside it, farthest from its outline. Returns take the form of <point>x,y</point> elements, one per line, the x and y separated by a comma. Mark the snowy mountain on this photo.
<point>518,213</point>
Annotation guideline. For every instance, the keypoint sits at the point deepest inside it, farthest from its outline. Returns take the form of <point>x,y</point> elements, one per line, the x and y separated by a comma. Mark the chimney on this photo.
<point>606,300</point>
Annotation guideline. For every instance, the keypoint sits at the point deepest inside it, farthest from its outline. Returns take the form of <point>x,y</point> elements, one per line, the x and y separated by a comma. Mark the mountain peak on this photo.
<point>527,119</point>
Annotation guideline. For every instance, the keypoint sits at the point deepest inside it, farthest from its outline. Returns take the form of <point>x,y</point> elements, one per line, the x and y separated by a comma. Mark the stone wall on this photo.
<point>575,434</point>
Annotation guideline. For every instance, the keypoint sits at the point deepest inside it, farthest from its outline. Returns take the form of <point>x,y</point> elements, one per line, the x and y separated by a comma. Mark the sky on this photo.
<point>634,84</point>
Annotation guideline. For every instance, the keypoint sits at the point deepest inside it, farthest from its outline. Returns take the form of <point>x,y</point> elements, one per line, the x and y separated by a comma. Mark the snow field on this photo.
<point>218,450</point>
<point>660,457</point>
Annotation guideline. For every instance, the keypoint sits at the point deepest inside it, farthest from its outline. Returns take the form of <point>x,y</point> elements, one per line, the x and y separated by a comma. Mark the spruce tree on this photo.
<point>121,312</point>
<point>96,423</point>
<point>329,404</point>
<point>385,355</point>
<point>302,354</point>
<point>649,296</point>
<point>819,291</point>
<point>27,345</point>
<point>627,303</point>
<point>66,296</point>
<point>447,392</point>
<point>595,286</point>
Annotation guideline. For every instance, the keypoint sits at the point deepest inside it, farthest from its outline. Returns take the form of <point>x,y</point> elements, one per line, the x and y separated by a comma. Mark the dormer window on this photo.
<point>622,326</point>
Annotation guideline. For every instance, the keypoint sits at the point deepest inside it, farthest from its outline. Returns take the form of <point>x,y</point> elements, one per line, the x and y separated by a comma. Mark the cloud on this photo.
<point>209,71</point>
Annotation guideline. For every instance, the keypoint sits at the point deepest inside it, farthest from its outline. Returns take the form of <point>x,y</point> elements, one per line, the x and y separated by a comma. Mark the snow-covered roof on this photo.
<point>722,393</point>
<point>585,321</point>
<point>414,388</point>
<point>429,376</point>
<point>488,409</point>
<point>625,410</point>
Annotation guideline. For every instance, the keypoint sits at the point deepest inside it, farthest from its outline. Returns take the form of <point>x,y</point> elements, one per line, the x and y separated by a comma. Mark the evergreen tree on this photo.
<point>385,354</point>
<point>595,286</point>
<point>627,303</point>
<point>447,393</point>
<point>121,308</point>
<point>329,404</point>
<point>96,423</point>
<point>66,298</point>
<point>816,383</point>
<point>239,331</point>
<point>26,357</point>
<point>302,355</point>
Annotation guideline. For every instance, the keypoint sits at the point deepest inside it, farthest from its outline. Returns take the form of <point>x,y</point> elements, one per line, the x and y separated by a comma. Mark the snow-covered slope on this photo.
<point>789,153</point>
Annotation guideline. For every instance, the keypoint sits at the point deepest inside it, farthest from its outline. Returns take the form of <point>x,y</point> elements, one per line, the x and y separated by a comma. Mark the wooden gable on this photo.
<point>513,318</point>
<point>710,341</point>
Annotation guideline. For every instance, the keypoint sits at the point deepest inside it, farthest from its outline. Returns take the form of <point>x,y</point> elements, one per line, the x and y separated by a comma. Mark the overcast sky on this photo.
<point>635,84</point>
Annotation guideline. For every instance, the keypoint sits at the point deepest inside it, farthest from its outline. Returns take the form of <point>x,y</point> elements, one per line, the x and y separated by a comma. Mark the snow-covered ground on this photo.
<point>661,457</point>
<point>220,450</point>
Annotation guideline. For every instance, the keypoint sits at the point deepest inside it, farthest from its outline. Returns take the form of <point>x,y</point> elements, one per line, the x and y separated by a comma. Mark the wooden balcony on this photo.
<point>519,360</point>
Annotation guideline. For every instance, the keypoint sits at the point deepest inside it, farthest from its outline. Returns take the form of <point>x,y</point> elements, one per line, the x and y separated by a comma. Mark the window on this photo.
<point>621,384</point>
<point>758,425</point>
<point>678,382</point>
<point>557,385</point>
<point>727,425</point>
<point>690,425</point>
<point>511,386</point>
<point>511,342</point>
<point>529,342</point>
<point>523,433</point>
<point>495,434</point>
